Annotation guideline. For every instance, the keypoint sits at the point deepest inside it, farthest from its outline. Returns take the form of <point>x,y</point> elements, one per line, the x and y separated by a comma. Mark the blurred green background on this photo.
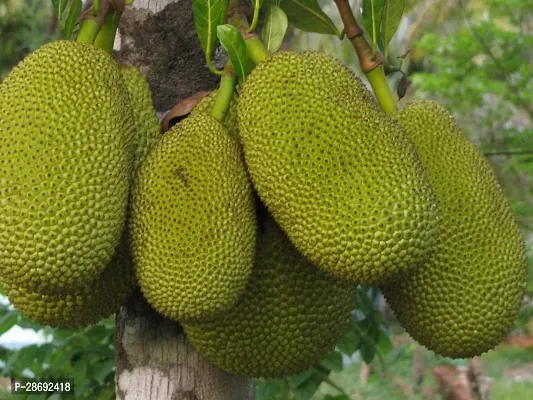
<point>476,58</point>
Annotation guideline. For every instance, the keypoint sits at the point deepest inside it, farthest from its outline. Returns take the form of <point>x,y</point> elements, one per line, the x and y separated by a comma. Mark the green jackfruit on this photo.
<point>144,115</point>
<point>230,122</point>
<point>290,316</point>
<point>193,221</point>
<point>66,158</point>
<point>337,173</point>
<point>89,305</point>
<point>467,297</point>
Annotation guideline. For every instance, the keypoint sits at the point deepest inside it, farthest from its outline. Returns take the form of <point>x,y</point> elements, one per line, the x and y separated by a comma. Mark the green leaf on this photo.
<point>60,7</point>
<point>74,12</point>
<point>384,343</point>
<point>27,355</point>
<point>392,16</point>
<point>367,351</point>
<point>333,361</point>
<point>232,41</point>
<point>307,16</point>
<point>103,370</point>
<point>7,321</point>
<point>372,14</point>
<point>349,343</point>
<point>208,15</point>
<point>308,389</point>
<point>274,28</point>
<point>299,379</point>
<point>363,302</point>
<point>44,352</point>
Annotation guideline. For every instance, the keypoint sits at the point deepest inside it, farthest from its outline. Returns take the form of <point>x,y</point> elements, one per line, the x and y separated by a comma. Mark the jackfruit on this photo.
<point>290,316</point>
<point>193,221</point>
<point>96,301</point>
<point>66,158</point>
<point>230,122</point>
<point>337,173</point>
<point>466,298</point>
<point>146,121</point>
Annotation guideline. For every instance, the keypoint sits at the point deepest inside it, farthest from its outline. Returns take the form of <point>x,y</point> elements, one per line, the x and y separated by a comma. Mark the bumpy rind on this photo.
<point>290,316</point>
<point>193,221</point>
<point>144,115</point>
<point>66,158</point>
<point>230,122</point>
<point>96,301</point>
<point>463,302</point>
<point>339,176</point>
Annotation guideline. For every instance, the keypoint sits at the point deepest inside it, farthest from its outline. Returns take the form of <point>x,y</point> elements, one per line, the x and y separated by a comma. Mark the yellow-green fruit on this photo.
<point>339,176</point>
<point>96,301</point>
<point>66,158</point>
<point>467,297</point>
<point>193,221</point>
<point>290,316</point>
<point>148,131</point>
<point>230,122</point>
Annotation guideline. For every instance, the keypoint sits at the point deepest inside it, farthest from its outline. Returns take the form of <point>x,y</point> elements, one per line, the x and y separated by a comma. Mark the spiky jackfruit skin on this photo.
<point>467,297</point>
<point>230,122</point>
<point>66,156</point>
<point>290,316</point>
<point>146,121</point>
<point>89,305</point>
<point>193,221</point>
<point>337,173</point>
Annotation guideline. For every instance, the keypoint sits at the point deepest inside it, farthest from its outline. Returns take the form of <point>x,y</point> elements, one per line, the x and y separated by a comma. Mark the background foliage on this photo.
<point>474,57</point>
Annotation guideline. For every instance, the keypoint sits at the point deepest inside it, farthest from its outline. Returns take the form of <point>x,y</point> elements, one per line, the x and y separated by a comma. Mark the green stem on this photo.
<point>381,89</point>
<point>89,29</point>
<point>106,38</point>
<point>224,93</point>
<point>335,386</point>
<point>256,50</point>
<point>256,16</point>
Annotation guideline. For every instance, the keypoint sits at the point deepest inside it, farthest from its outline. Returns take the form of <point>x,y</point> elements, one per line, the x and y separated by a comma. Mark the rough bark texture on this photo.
<point>154,360</point>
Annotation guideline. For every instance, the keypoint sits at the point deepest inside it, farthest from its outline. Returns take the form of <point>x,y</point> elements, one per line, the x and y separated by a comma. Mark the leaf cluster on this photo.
<point>84,355</point>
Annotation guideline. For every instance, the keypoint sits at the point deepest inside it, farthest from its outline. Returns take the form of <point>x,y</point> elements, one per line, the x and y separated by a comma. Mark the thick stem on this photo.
<point>381,89</point>
<point>351,28</point>
<point>106,38</point>
<point>89,29</point>
<point>371,64</point>
<point>224,93</point>
<point>236,15</point>
<point>256,50</point>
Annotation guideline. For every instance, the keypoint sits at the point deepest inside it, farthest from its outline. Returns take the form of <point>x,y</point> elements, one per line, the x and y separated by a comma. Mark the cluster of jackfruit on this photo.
<point>252,232</point>
<point>74,126</point>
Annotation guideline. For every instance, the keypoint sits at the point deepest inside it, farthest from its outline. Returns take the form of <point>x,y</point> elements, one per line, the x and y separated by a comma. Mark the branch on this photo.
<point>371,65</point>
<point>354,33</point>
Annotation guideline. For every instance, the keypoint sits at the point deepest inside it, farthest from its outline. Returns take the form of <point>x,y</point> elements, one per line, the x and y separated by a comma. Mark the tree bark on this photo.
<point>154,359</point>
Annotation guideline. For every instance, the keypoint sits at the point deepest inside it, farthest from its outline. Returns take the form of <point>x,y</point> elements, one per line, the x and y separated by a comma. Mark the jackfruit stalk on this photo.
<point>206,105</point>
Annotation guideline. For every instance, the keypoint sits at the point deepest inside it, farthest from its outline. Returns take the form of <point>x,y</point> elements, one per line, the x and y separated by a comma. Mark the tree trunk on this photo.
<point>154,359</point>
